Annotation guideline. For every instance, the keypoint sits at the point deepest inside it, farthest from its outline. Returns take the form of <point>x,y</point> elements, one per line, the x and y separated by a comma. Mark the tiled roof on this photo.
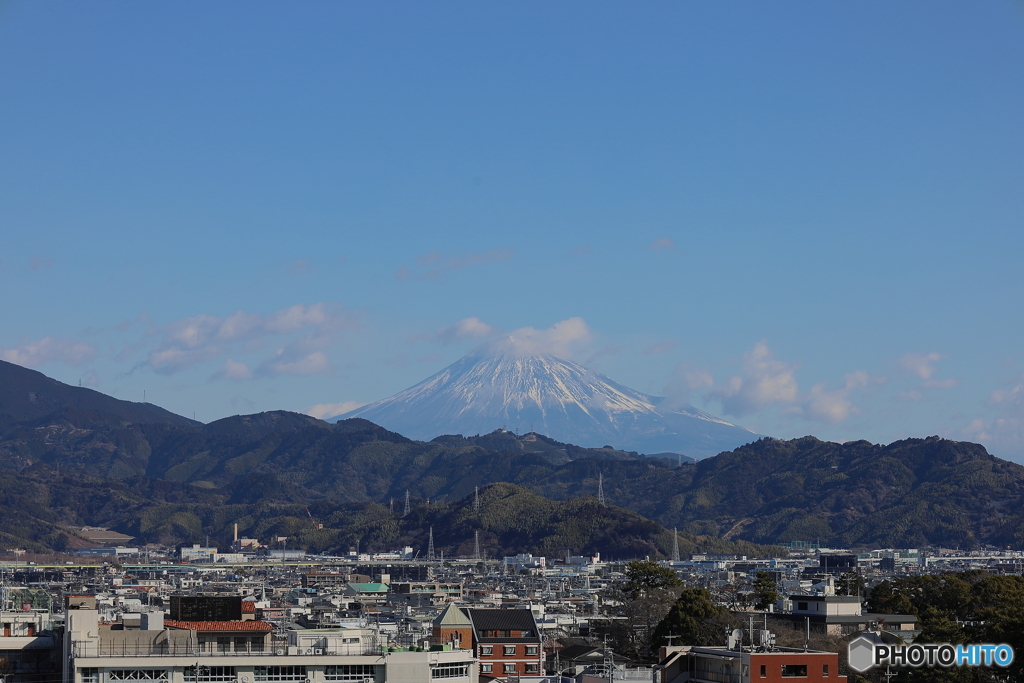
<point>502,619</point>
<point>223,626</point>
<point>248,606</point>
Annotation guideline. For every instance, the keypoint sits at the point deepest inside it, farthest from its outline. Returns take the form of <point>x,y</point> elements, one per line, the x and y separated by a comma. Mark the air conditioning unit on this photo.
<point>318,651</point>
<point>280,650</point>
<point>308,651</point>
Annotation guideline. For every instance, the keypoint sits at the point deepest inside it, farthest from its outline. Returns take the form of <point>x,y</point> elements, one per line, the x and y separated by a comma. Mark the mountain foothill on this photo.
<point>72,457</point>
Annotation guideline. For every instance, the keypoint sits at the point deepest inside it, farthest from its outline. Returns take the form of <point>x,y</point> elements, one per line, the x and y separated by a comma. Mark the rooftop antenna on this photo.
<point>600,488</point>
<point>430,545</point>
<point>675,544</point>
<point>476,545</point>
<point>406,503</point>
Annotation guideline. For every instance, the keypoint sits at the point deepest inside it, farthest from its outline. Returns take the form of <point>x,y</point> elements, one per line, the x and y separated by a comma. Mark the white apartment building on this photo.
<point>244,652</point>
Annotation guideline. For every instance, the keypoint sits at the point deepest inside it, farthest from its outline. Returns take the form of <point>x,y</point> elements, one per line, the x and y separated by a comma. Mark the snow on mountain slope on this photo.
<point>558,398</point>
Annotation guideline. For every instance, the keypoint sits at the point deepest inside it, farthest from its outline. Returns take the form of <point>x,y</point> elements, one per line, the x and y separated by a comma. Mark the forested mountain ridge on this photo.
<point>909,493</point>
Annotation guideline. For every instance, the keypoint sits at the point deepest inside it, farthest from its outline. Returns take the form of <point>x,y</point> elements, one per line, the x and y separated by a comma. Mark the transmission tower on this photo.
<point>675,544</point>
<point>476,545</point>
<point>600,488</point>
<point>476,499</point>
<point>430,545</point>
<point>406,503</point>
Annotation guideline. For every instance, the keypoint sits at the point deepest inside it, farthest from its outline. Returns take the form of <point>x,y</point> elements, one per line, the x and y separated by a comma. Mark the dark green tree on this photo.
<point>690,618</point>
<point>765,592</point>
<point>849,583</point>
<point>643,576</point>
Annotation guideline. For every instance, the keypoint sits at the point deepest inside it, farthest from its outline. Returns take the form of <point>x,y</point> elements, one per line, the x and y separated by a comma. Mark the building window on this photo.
<point>510,668</point>
<point>531,649</point>
<point>460,670</point>
<point>531,668</point>
<point>764,671</point>
<point>801,606</point>
<point>486,668</point>
<point>210,674</point>
<point>350,672</point>
<point>137,675</point>
<point>794,671</point>
<point>510,650</point>
<point>824,670</point>
<point>279,673</point>
<point>486,650</point>
<point>90,675</point>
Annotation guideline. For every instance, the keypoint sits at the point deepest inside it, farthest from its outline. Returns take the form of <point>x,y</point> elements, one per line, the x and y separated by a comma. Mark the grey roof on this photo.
<point>502,619</point>
<point>452,616</point>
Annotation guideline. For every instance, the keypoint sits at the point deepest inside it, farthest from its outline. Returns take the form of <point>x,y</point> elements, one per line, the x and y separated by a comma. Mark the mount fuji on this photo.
<point>558,398</point>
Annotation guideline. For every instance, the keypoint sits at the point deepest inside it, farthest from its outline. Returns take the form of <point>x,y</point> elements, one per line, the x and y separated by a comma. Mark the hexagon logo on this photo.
<point>861,653</point>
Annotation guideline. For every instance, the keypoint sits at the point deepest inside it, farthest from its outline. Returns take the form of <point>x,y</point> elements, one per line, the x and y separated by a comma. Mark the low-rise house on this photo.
<point>506,641</point>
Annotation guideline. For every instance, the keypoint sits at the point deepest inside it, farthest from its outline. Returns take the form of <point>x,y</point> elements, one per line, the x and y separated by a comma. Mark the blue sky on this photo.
<point>805,217</point>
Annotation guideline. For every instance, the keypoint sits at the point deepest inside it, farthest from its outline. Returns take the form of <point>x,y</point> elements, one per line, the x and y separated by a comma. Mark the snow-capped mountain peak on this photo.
<point>553,396</point>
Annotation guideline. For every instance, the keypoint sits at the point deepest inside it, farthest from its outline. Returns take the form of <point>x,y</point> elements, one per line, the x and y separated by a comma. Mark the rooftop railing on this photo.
<point>87,649</point>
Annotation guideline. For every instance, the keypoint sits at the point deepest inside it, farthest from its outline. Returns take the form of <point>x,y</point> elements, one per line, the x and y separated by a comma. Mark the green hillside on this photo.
<point>909,493</point>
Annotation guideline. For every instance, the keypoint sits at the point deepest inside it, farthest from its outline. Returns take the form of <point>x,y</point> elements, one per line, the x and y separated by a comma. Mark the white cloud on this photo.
<point>662,244</point>
<point>683,381</point>
<point>40,263</point>
<point>921,364</point>
<point>324,411</point>
<point>561,340</point>
<point>933,384</point>
<point>766,381</point>
<point>232,369</point>
<point>1004,433</point>
<point>435,264</point>
<point>763,381</point>
<point>834,406</point>
<point>1012,396</point>
<point>190,341</point>
<point>661,347</point>
<point>49,350</point>
<point>285,363</point>
<point>467,328</point>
